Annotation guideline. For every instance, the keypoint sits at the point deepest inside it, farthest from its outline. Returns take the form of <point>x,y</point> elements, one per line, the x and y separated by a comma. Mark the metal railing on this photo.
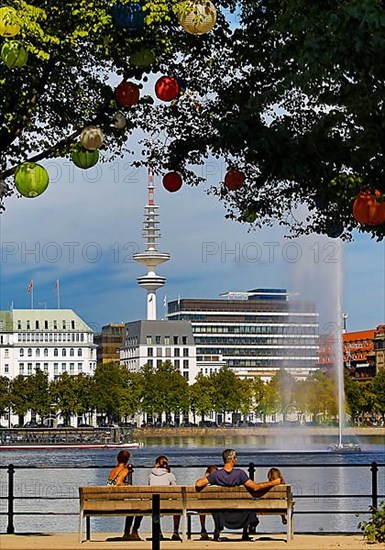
<point>11,498</point>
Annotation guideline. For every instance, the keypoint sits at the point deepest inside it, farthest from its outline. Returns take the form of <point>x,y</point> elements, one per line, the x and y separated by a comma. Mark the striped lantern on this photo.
<point>91,138</point>
<point>82,158</point>
<point>198,17</point>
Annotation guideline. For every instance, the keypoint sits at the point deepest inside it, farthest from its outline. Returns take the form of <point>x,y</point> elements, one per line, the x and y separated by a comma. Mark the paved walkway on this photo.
<point>102,541</point>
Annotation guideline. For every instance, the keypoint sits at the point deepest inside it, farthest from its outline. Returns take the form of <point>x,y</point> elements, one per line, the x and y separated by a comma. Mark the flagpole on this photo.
<point>58,294</point>
<point>32,296</point>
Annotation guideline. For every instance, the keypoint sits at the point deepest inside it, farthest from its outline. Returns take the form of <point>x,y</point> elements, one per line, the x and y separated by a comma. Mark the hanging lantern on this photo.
<point>128,16</point>
<point>127,94</point>
<point>234,179</point>
<point>367,210</point>
<point>92,138</point>
<point>249,215</point>
<point>143,58</point>
<point>198,17</point>
<point>119,120</point>
<point>82,158</point>
<point>172,181</point>
<point>167,88</point>
<point>9,25</point>
<point>14,54</point>
<point>31,180</point>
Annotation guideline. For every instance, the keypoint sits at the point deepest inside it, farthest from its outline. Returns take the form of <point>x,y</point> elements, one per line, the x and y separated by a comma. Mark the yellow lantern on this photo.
<point>91,138</point>
<point>198,17</point>
<point>9,25</point>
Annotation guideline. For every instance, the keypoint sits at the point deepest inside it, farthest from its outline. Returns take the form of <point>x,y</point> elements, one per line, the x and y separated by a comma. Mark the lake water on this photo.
<point>321,481</point>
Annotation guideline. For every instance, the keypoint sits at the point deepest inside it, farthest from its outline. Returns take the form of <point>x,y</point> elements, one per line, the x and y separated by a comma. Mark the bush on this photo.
<point>374,528</point>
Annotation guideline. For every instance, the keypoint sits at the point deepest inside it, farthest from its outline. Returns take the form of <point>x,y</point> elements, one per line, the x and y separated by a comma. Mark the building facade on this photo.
<point>153,342</point>
<point>51,340</point>
<point>109,342</point>
<point>255,333</point>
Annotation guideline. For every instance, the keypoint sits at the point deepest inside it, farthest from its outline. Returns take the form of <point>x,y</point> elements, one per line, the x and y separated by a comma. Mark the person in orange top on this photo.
<point>119,476</point>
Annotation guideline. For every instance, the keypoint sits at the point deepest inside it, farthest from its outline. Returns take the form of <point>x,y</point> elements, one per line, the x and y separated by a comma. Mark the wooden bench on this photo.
<point>136,500</point>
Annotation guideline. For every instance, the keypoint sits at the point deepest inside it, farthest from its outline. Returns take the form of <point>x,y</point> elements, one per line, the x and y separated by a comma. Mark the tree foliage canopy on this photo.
<point>290,92</point>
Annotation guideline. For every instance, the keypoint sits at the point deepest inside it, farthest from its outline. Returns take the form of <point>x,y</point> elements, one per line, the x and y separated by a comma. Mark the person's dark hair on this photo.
<point>123,457</point>
<point>212,468</point>
<point>274,473</point>
<point>228,455</point>
<point>162,462</point>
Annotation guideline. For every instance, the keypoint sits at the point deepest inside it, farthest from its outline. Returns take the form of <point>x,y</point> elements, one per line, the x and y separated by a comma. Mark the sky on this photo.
<point>84,229</point>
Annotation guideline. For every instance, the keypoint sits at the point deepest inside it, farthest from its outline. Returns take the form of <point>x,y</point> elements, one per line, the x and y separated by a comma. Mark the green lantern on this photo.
<point>14,54</point>
<point>83,158</point>
<point>31,180</point>
<point>142,58</point>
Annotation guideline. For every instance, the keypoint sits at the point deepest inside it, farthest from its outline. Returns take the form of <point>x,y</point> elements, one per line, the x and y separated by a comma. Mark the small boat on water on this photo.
<point>67,446</point>
<point>344,448</point>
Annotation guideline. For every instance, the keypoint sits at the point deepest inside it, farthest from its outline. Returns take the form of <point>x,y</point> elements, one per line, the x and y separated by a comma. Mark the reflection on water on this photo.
<point>306,471</point>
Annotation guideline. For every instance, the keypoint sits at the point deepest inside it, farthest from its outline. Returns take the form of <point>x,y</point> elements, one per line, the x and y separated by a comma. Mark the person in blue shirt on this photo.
<point>230,476</point>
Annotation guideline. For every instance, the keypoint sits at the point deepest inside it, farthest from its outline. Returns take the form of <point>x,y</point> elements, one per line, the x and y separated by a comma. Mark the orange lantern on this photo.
<point>367,210</point>
<point>234,179</point>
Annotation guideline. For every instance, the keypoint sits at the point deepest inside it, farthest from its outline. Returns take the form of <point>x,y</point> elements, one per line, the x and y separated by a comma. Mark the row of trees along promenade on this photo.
<point>119,395</point>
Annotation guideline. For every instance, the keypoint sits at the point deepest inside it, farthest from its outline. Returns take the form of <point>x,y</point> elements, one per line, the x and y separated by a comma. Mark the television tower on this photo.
<point>151,257</point>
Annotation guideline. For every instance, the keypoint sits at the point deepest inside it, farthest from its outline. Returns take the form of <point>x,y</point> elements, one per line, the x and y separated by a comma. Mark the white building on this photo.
<point>51,340</point>
<point>153,342</point>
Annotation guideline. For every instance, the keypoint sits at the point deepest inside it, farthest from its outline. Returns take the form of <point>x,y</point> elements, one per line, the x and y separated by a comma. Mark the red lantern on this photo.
<point>367,210</point>
<point>172,181</point>
<point>234,179</point>
<point>127,94</point>
<point>167,88</point>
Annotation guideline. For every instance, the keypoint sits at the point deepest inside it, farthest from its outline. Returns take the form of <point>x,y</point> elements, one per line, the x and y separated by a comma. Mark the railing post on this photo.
<point>252,471</point>
<point>374,470</point>
<point>155,522</point>
<point>11,499</point>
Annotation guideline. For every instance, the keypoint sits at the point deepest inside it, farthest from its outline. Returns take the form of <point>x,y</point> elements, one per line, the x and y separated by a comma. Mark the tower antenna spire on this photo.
<point>151,257</point>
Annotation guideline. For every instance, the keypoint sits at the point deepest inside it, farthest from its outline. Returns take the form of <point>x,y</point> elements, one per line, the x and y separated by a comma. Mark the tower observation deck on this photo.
<point>151,257</point>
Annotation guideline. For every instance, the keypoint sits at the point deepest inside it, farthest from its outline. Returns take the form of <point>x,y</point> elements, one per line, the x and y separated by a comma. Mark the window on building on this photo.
<point>168,352</point>
<point>37,352</point>
<point>166,340</point>
<point>6,368</point>
<point>29,368</point>
<point>149,340</point>
<point>157,340</point>
<point>185,352</point>
<point>28,325</point>
<point>63,367</point>
<point>56,368</point>
<point>29,352</point>
<point>80,368</point>
<point>150,363</point>
<point>64,325</point>
<point>80,352</point>
<point>55,325</point>
<point>73,325</point>
<point>37,366</point>
<point>185,363</point>
<point>45,352</point>
<point>72,368</point>
<point>21,368</point>
<point>159,362</point>
<point>159,352</point>
<point>46,325</point>
<point>150,352</point>
<point>176,340</point>
<point>21,353</point>
<point>6,353</point>
<point>64,352</point>
<point>45,367</point>
<point>176,352</point>
<point>55,352</point>
<point>18,325</point>
<point>72,352</point>
<point>184,340</point>
<point>177,363</point>
<point>185,374</point>
<point>37,325</point>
